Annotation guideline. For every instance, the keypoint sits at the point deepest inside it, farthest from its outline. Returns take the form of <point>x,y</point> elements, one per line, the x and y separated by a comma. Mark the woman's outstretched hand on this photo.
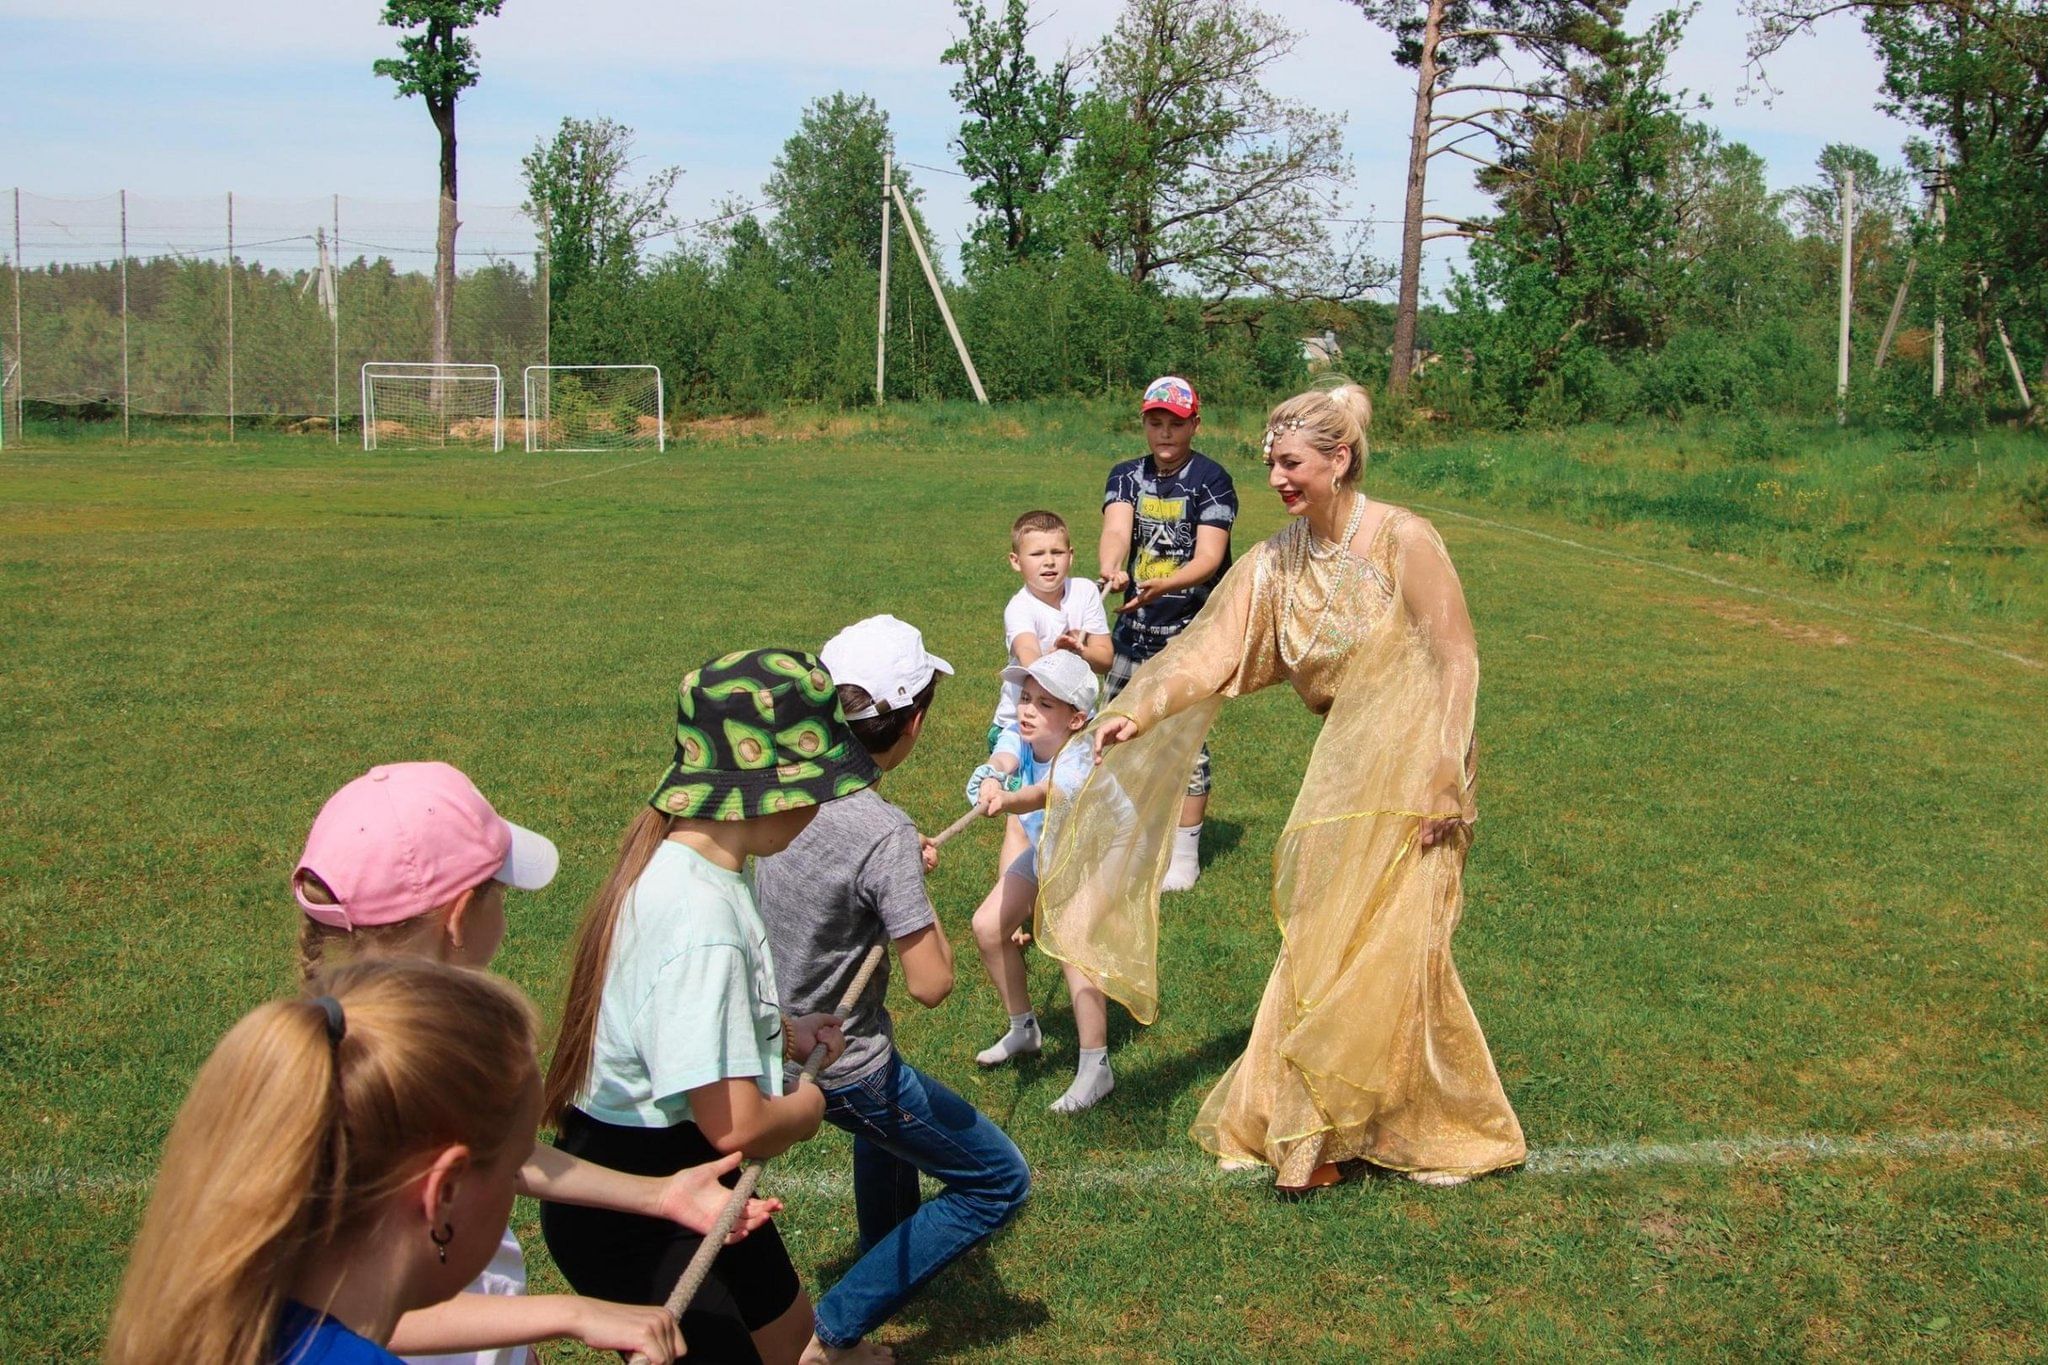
<point>1114,730</point>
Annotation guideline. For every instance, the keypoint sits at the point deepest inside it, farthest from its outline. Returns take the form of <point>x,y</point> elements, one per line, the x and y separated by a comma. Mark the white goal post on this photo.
<point>421,405</point>
<point>595,407</point>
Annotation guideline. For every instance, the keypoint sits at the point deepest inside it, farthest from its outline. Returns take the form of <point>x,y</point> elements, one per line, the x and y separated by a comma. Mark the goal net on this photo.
<point>595,407</point>
<point>418,405</point>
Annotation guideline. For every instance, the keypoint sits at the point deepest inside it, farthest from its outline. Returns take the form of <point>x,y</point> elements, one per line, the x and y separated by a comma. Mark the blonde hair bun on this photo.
<point>1356,401</point>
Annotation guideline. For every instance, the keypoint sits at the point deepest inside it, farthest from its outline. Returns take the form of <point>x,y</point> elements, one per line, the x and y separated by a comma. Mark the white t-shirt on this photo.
<point>688,998</point>
<point>506,1274</point>
<point>1080,609</point>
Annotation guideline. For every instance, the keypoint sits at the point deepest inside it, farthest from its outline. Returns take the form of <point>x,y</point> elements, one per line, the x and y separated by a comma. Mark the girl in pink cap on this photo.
<point>409,860</point>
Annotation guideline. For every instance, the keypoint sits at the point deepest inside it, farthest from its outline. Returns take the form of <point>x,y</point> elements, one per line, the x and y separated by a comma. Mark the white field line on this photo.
<point>29,1182</point>
<point>1789,599</point>
<point>598,473</point>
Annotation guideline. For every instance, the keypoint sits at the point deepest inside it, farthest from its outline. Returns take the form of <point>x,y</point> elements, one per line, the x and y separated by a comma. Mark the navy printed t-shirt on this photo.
<point>1165,510</point>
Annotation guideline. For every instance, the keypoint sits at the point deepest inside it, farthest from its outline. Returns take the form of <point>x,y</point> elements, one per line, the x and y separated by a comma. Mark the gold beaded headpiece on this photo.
<point>1273,434</point>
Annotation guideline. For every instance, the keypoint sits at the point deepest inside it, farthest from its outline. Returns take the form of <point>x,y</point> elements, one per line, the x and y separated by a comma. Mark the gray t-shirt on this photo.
<point>852,879</point>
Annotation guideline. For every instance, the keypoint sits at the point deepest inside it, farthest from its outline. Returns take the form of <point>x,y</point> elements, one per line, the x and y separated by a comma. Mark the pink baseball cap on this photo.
<point>1170,393</point>
<point>407,837</point>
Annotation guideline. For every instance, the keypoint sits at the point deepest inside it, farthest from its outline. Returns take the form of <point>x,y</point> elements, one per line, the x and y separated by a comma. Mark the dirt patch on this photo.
<point>725,427</point>
<point>1743,614</point>
<point>1664,1230</point>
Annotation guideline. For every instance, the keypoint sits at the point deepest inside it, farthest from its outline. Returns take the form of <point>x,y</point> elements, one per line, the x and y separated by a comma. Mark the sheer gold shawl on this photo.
<point>1364,991</point>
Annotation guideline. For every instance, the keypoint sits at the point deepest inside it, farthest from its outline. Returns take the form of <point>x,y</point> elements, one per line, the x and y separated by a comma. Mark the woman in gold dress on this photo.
<point>1364,1047</point>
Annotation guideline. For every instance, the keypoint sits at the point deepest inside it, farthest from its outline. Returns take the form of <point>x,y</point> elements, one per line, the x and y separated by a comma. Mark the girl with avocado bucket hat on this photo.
<point>672,1039</point>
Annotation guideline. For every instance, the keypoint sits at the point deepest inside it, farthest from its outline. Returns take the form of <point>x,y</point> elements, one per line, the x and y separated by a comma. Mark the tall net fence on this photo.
<point>233,308</point>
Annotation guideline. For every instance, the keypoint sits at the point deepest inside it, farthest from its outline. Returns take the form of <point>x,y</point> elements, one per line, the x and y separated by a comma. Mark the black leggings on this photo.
<point>629,1259</point>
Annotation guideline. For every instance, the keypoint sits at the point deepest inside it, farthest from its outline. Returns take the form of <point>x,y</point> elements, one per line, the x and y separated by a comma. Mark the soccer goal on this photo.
<point>595,407</point>
<point>419,405</point>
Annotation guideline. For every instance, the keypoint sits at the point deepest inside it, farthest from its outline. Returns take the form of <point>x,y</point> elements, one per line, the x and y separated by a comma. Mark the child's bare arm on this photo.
<point>1025,648</point>
<point>1099,651</point>
<point>1025,799</point>
<point>692,1196</point>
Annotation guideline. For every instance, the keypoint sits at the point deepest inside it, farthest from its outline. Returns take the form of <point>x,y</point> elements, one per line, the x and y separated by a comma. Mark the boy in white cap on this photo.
<point>1055,697</point>
<point>852,879</point>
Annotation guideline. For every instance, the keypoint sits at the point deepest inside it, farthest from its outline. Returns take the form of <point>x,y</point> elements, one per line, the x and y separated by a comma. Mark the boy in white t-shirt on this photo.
<point>1053,610</point>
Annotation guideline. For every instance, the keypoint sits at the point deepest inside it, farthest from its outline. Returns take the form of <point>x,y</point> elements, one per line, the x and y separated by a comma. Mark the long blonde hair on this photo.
<point>1328,418</point>
<point>289,1145</point>
<point>578,1033</point>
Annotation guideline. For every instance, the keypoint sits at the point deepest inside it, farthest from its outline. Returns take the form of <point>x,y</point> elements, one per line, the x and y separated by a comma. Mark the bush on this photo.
<point>2031,497</point>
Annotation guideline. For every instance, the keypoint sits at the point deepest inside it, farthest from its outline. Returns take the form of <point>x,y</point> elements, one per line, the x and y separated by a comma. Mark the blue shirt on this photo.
<point>1069,769</point>
<point>1166,510</point>
<point>305,1337</point>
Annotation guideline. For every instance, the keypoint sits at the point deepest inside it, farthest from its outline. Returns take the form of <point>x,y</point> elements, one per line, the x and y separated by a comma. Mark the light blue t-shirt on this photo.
<point>689,995</point>
<point>1069,768</point>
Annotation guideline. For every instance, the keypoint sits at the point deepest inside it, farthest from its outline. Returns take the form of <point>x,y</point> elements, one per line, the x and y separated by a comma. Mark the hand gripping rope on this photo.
<point>699,1268</point>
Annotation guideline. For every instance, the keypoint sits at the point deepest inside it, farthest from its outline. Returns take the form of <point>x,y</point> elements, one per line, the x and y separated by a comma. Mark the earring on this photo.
<point>441,1237</point>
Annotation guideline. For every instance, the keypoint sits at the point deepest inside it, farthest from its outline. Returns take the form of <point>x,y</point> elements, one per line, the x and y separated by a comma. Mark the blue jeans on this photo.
<point>903,1122</point>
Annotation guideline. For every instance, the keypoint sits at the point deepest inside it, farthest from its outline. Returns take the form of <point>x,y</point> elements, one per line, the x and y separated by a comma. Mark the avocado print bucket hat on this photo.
<point>758,732</point>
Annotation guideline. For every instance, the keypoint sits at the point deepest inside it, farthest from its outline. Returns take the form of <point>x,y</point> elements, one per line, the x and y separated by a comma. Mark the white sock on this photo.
<point>1186,864</point>
<point>1023,1037</point>
<point>1092,1081</point>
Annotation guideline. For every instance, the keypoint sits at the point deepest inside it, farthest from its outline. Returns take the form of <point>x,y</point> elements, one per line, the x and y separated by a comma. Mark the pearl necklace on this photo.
<point>1311,544</point>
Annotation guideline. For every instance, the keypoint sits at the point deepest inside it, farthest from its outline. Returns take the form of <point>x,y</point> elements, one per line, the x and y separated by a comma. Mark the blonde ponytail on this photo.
<point>1339,415</point>
<point>289,1143</point>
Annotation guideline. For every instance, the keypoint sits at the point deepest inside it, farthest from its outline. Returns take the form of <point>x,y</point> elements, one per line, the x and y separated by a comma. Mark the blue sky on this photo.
<point>274,99</point>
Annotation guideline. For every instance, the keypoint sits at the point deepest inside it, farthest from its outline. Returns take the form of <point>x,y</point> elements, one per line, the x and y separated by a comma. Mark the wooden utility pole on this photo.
<point>1891,323</point>
<point>334,310</point>
<point>1940,237</point>
<point>882,305</point>
<point>231,317</point>
<point>1842,338</point>
<point>18,407</point>
<point>931,277</point>
<point>124,317</point>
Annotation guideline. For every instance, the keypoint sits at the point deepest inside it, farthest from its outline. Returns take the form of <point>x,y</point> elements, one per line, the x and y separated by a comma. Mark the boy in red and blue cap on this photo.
<point>1166,521</point>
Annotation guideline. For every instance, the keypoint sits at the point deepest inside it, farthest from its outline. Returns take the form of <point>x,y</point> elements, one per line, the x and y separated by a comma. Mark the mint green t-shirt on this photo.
<point>689,995</point>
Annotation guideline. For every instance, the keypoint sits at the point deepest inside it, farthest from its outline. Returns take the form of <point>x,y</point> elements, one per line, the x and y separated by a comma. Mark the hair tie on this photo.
<point>337,1022</point>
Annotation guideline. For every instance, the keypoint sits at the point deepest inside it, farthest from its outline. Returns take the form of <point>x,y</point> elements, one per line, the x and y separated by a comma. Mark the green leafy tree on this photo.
<point>1974,74</point>
<point>1581,260</point>
<point>1019,121</point>
<point>1440,39</point>
<point>596,222</point>
<point>827,183</point>
<point>1188,165</point>
<point>438,63</point>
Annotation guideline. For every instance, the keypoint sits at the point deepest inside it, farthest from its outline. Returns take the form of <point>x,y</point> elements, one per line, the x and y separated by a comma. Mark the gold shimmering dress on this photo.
<point>1365,1045</point>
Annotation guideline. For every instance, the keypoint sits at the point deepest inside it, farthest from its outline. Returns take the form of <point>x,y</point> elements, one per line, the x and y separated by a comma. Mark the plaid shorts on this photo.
<point>1120,670</point>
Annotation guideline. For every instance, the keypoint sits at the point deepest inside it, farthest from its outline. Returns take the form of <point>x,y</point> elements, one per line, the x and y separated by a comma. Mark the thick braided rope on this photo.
<point>699,1268</point>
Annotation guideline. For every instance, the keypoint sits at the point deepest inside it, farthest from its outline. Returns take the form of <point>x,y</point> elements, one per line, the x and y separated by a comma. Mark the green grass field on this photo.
<point>1756,907</point>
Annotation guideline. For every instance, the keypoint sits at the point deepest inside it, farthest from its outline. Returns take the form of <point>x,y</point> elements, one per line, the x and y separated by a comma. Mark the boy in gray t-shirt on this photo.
<point>854,878</point>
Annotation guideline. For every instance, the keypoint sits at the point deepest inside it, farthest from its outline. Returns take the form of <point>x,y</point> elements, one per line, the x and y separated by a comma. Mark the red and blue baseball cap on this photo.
<point>1171,393</point>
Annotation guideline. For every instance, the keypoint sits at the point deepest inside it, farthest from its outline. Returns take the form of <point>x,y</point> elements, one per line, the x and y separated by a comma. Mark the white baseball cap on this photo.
<point>1063,673</point>
<point>886,659</point>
